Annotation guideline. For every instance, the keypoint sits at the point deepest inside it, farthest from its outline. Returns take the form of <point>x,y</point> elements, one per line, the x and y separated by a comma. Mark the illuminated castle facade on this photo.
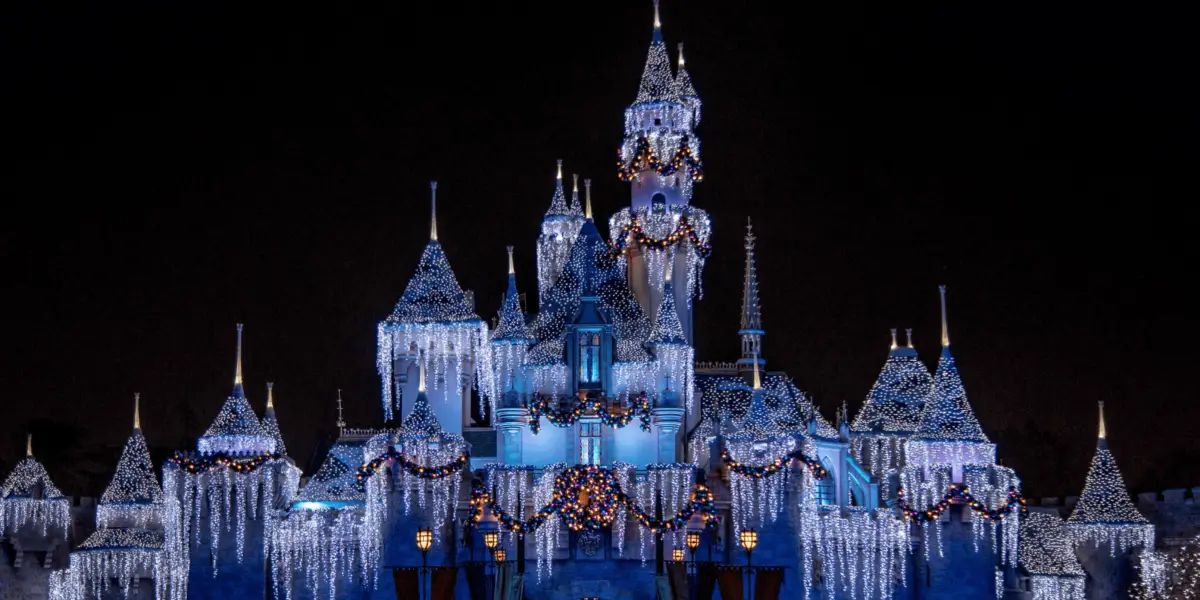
<point>582,431</point>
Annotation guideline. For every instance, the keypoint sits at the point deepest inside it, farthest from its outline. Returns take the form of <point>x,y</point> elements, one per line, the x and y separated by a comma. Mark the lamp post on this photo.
<point>693,542</point>
<point>424,542</point>
<point>491,539</point>
<point>749,539</point>
<point>501,555</point>
<point>677,555</point>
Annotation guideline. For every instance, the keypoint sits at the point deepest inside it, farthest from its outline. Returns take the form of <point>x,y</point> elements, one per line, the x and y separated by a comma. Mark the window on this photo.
<point>589,358</point>
<point>589,443</point>
<point>827,489</point>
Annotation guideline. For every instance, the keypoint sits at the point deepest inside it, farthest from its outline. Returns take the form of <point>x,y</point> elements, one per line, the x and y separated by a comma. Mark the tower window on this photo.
<point>589,358</point>
<point>589,443</point>
<point>658,121</point>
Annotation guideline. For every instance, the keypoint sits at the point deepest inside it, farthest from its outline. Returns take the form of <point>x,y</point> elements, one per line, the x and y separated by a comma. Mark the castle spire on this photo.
<point>587,199</point>
<point>433,211</point>
<point>237,370</point>
<point>269,423</point>
<point>558,203</point>
<point>575,210</point>
<point>270,395</point>
<point>681,64</point>
<point>341,423</point>
<point>29,445</point>
<point>945,327</point>
<point>137,413</point>
<point>757,380</point>
<point>894,345</point>
<point>511,270</point>
<point>752,327</point>
<point>908,332</point>
<point>1103,437</point>
<point>657,21</point>
<point>658,82</point>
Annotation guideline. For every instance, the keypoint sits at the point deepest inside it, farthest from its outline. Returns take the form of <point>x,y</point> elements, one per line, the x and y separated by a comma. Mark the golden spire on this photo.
<point>29,445</point>
<point>894,345</point>
<point>680,55</point>
<point>511,270</point>
<point>1103,432</point>
<point>757,381</point>
<point>945,327</point>
<point>421,377</point>
<point>270,395</point>
<point>908,332</point>
<point>137,413</point>
<point>237,371</point>
<point>657,21</point>
<point>587,202</point>
<point>575,185</point>
<point>559,176</point>
<point>433,211</point>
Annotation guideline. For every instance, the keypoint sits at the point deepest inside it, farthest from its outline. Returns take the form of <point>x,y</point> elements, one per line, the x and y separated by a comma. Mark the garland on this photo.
<point>684,229</point>
<point>368,470</point>
<point>775,466</point>
<point>566,418</point>
<point>1016,502</point>
<point>196,466</point>
<point>589,497</point>
<point>644,152</point>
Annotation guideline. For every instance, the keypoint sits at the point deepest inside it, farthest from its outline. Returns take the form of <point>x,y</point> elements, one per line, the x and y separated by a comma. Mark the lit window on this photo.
<point>589,358</point>
<point>589,443</point>
<point>826,489</point>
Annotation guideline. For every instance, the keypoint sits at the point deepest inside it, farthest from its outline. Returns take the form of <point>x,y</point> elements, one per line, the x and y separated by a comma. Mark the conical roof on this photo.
<point>895,401</point>
<point>667,330</point>
<point>947,414</point>
<point>558,202</point>
<point>134,481</point>
<point>1105,499</point>
<point>433,295</point>
<point>335,480</point>
<point>683,82</point>
<point>270,425</point>
<point>576,209</point>
<point>236,430</point>
<point>758,424</point>
<point>510,326</point>
<point>658,83</point>
<point>1044,547</point>
<point>27,479</point>
<point>420,423</point>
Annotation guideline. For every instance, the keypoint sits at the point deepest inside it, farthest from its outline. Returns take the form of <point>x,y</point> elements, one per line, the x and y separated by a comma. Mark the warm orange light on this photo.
<point>491,539</point>
<point>501,554</point>
<point>677,555</point>
<point>748,539</point>
<point>424,539</point>
<point>693,540</point>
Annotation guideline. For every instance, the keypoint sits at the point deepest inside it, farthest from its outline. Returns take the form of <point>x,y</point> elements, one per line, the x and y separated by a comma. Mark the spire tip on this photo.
<point>894,345</point>
<point>29,445</point>
<point>680,55</point>
<point>1103,431</point>
<point>270,394</point>
<point>433,211</point>
<point>657,21</point>
<point>237,372</point>
<point>587,202</point>
<point>137,401</point>
<point>945,327</point>
<point>908,332</point>
<point>511,270</point>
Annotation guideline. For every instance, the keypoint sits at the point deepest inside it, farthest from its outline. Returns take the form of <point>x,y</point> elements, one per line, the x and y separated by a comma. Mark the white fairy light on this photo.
<point>1105,513</point>
<point>29,497</point>
<point>1046,554</point>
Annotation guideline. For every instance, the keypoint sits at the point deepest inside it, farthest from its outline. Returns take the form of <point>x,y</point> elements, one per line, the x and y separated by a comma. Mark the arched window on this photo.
<point>589,358</point>
<point>827,488</point>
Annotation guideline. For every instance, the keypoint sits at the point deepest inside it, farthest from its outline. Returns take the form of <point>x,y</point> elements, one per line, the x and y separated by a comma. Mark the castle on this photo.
<point>608,458</point>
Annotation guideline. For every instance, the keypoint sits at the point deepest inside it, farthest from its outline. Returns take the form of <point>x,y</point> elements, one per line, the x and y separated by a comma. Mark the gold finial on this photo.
<point>575,185</point>
<point>894,345</point>
<point>421,377</point>
<point>680,55</point>
<point>137,413</point>
<point>657,21</point>
<point>587,201</point>
<point>237,371</point>
<point>1103,431</point>
<point>757,381</point>
<point>433,210</point>
<point>270,395</point>
<point>945,327</point>
<point>908,332</point>
<point>29,445</point>
<point>511,270</point>
<point>559,176</point>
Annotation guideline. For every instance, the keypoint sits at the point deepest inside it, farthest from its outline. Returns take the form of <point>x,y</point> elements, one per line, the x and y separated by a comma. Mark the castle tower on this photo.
<point>509,344</point>
<point>436,320</point>
<point>660,159</point>
<point>128,544</point>
<point>1105,525</point>
<point>559,228</point>
<point>270,425</point>
<point>751,331</point>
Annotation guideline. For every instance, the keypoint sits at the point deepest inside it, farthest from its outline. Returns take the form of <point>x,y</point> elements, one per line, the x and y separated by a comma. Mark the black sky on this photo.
<point>177,167</point>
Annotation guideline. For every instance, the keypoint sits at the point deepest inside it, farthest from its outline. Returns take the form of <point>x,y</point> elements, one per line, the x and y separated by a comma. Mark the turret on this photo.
<point>751,330</point>
<point>559,230</point>
<point>270,424</point>
<point>436,316</point>
<point>236,431</point>
<point>686,91</point>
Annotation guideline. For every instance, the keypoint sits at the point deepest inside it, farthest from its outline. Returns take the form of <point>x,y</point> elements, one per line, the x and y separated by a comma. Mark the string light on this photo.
<point>1046,554</point>
<point>892,410</point>
<point>29,497</point>
<point>1105,513</point>
<point>270,425</point>
<point>236,430</point>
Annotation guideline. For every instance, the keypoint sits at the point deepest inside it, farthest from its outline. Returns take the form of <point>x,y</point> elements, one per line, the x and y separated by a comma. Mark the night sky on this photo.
<point>178,167</point>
